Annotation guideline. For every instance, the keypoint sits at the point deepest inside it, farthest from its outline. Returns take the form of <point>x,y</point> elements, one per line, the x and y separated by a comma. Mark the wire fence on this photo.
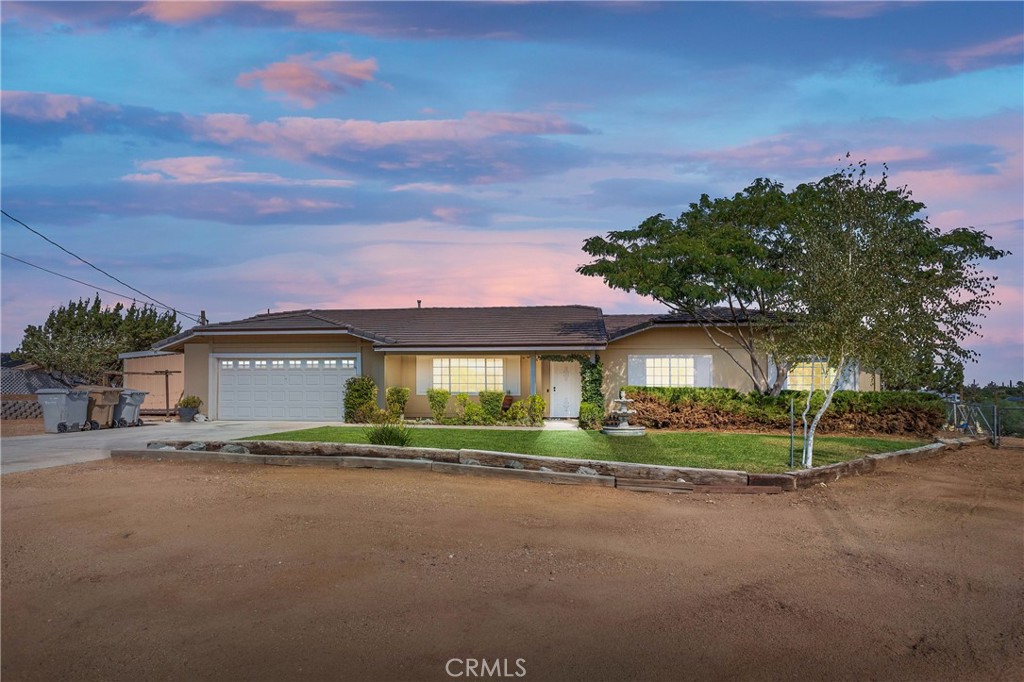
<point>995,421</point>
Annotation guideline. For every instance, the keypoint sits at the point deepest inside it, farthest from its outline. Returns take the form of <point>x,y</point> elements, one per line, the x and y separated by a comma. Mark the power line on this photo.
<point>94,267</point>
<point>93,286</point>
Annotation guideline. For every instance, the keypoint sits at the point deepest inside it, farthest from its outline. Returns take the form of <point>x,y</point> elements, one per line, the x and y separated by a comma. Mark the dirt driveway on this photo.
<point>176,571</point>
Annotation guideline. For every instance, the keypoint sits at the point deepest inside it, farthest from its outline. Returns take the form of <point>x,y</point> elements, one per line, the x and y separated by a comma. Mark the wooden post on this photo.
<point>167,393</point>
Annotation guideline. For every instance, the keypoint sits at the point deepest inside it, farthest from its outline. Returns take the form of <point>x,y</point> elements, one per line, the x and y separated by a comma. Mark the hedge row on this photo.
<point>892,412</point>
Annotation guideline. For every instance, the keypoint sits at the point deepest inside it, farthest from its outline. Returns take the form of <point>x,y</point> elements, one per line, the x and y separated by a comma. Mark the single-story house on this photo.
<point>293,365</point>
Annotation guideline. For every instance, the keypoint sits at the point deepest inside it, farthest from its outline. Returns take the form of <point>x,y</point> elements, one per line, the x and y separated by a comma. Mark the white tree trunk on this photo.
<point>841,371</point>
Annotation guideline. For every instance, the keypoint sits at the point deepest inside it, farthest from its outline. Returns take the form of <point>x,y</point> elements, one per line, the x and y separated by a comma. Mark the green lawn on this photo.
<point>747,452</point>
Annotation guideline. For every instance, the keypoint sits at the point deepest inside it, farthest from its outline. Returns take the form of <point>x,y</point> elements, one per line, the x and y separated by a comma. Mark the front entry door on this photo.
<point>565,389</point>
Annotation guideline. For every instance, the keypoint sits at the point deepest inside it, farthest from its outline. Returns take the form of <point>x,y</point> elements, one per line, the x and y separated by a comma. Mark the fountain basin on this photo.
<point>628,430</point>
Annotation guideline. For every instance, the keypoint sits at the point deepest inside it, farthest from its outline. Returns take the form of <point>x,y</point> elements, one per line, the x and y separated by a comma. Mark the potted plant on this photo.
<point>188,407</point>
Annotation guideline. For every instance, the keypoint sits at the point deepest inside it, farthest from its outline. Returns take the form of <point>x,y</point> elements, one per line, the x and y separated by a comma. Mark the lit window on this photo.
<point>261,364</point>
<point>330,364</point>
<point>349,363</point>
<point>669,371</point>
<point>469,375</point>
<point>277,364</point>
<point>815,376</point>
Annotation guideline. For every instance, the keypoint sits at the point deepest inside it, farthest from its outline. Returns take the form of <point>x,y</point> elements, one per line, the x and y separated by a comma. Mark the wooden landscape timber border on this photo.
<point>624,475</point>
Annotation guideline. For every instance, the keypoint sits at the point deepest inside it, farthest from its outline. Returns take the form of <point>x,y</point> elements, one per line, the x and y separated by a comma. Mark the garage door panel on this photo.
<point>299,389</point>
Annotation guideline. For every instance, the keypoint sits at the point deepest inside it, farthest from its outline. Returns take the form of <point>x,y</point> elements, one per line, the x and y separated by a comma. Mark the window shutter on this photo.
<point>512,372</point>
<point>849,380</point>
<point>637,372</point>
<point>424,374</point>
<point>702,373</point>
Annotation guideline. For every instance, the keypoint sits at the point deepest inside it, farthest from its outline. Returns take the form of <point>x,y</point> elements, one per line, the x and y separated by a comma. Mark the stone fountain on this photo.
<point>622,410</point>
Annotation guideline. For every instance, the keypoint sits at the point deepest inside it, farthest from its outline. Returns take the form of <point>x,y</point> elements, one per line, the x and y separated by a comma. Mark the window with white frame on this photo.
<point>294,364</point>
<point>227,364</point>
<point>810,376</point>
<point>669,371</point>
<point>330,364</point>
<point>348,363</point>
<point>312,364</point>
<point>468,375</point>
<point>277,364</point>
<point>261,364</point>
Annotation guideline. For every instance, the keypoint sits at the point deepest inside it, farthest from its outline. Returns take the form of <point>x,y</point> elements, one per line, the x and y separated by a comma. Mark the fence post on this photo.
<point>995,425</point>
<point>792,428</point>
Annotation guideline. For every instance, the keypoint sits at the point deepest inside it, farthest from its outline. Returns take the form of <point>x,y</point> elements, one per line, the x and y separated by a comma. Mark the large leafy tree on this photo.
<point>83,339</point>
<point>876,286</point>
<point>726,262</point>
<point>845,270</point>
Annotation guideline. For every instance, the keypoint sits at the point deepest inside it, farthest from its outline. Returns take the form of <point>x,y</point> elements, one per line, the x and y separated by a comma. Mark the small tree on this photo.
<point>876,285</point>
<point>726,262</point>
<point>83,339</point>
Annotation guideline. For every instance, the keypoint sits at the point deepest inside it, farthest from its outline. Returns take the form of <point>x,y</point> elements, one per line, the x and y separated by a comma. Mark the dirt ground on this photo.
<point>179,571</point>
<point>21,427</point>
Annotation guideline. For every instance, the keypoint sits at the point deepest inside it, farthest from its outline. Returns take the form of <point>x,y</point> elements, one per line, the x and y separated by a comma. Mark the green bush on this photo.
<point>516,413</point>
<point>191,401</point>
<point>469,413</point>
<point>591,416</point>
<point>396,398</point>
<point>389,434</point>
<point>438,399</point>
<point>491,402</point>
<point>359,392</point>
<point>535,406</point>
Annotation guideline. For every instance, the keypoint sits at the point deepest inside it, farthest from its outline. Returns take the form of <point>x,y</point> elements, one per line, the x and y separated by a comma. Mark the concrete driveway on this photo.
<point>22,453</point>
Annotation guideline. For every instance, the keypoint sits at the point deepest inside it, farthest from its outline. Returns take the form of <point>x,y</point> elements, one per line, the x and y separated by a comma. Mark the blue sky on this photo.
<point>234,157</point>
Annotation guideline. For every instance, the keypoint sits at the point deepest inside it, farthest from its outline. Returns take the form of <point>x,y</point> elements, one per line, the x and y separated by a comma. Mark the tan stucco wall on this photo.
<point>400,370</point>
<point>724,372</point>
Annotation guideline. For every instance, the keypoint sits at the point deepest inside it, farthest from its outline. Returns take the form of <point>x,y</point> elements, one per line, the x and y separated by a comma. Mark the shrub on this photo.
<point>438,399</point>
<point>491,402</point>
<point>191,401</point>
<point>535,406</point>
<point>396,397</point>
<point>516,413</point>
<point>359,392</point>
<point>892,412</point>
<point>389,433</point>
<point>468,413</point>
<point>591,416</point>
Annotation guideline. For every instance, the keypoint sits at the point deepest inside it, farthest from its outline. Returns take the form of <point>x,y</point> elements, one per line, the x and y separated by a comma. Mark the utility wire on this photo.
<point>98,269</point>
<point>93,286</point>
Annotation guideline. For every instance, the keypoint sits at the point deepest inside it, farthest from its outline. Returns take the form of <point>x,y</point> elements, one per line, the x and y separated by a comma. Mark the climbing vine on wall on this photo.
<point>591,375</point>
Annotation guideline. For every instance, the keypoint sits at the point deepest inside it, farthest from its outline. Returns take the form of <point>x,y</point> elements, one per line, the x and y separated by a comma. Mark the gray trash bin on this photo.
<point>126,413</point>
<point>63,409</point>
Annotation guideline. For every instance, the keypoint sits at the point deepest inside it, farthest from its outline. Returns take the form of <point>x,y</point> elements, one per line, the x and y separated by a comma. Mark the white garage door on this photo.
<point>301,389</point>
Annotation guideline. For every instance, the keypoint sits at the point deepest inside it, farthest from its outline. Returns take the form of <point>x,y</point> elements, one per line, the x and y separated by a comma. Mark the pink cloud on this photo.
<point>177,12</point>
<point>853,10</point>
<point>980,56</point>
<point>282,205</point>
<point>321,136</point>
<point>215,170</point>
<point>309,81</point>
<point>432,187</point>
<point>45,107</point>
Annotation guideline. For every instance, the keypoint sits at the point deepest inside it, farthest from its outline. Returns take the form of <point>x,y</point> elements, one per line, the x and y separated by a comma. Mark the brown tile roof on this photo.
<point>571,326</point>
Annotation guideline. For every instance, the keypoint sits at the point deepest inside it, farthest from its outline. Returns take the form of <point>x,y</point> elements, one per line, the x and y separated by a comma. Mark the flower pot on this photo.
<point>187,414</point>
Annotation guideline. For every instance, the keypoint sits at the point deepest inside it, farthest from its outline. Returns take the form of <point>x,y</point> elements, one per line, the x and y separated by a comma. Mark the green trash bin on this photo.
<point>63,409</point>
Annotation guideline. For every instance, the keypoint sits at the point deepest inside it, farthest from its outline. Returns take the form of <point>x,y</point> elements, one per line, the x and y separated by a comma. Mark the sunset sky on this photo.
<point>238,156</point>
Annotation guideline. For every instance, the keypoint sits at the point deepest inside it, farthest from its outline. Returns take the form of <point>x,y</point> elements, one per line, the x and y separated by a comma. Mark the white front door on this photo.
<point>566,389</point>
